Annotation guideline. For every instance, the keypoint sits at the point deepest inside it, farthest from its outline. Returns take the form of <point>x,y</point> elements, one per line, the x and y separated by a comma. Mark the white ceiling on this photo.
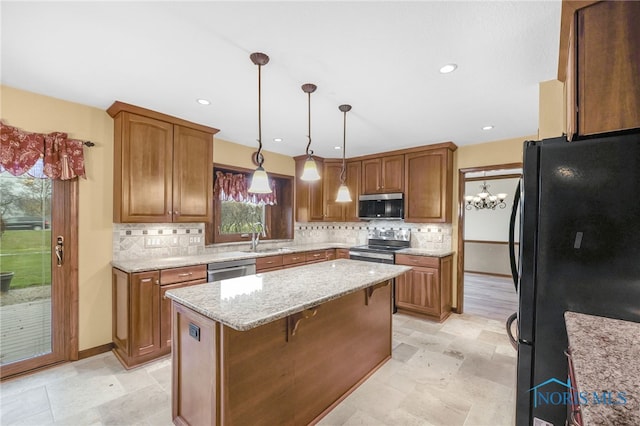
<point>383,58</point>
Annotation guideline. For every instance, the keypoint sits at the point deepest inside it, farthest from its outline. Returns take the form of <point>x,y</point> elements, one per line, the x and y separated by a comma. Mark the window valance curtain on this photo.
<point>62,158</point>
<point>233,187</point>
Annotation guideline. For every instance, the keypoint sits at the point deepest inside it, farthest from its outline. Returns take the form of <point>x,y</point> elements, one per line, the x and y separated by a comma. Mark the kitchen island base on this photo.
<point>293,370</point>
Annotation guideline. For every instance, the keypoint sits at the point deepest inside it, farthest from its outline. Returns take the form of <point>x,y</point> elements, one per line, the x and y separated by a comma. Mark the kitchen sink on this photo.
<point>269,250</point>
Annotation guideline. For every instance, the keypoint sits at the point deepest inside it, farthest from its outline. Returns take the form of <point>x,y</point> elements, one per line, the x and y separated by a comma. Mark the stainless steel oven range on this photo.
<point>381,247</point>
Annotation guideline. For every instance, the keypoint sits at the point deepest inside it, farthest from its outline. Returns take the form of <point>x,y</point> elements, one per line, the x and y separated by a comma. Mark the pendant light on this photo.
<point>310,171</point>
<point>343,191</point>
<point>260,180</point>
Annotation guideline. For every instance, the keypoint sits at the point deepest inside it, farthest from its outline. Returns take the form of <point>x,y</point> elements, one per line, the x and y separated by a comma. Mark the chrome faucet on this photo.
<point>256,229</point>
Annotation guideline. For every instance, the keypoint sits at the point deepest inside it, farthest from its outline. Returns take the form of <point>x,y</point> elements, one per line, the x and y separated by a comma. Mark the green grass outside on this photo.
<point>28,255</point>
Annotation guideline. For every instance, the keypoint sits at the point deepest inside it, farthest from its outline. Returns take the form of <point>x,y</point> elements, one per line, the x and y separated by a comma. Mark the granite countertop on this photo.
<point>425,252</point>
<point>247,302</point>
<point>139,265</point>
<point>606,358</point>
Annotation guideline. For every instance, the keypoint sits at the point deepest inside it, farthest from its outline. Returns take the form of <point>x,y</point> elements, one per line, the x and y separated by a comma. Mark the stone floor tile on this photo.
<point>403,352</point>
<point>135,407</point>
<point>90,417</point>
<point>436,407</point>
<point>43,418</point>
<point>18,406</point>
<point>79,393</point>
<point>339,415</point>
<point>361,418</point>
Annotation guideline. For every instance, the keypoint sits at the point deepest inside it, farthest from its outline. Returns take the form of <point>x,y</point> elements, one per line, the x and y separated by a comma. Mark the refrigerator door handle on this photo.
<point>512,339</point>
<point>512,225</point>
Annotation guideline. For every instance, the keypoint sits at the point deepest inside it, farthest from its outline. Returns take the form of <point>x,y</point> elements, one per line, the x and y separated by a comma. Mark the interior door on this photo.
<point>38,260</point>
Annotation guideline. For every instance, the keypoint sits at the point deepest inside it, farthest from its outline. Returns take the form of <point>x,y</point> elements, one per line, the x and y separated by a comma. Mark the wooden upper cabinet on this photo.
<point>143,175</point>
<point>163,167</point>
<point>383,175</point>
<point>353,181</point>
<point>192,177</point>
<point>603,63</point>
<point>429,185</point>
<point>333,211</point>
<point>309,197</point>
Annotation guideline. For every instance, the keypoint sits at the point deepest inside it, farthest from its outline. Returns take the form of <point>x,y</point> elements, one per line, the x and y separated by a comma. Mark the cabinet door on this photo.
<point>392,173</point>
<point>608,67</point>
<point>192,175</point>
<point>342,253</point>
<point>309,202</point>
<point>143,169</point>
<point>331,182</point>
<point>145,313</point>
<point>371,173</point>
<point>428,186</point>
<point>419,290</point>
<point>165,311</point>
<point>353,178</point>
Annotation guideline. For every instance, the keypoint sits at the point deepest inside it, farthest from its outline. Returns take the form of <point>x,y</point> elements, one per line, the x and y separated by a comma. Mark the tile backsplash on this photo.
<point>146,240</point>
<point>423,235</point>
<point>149,240</point>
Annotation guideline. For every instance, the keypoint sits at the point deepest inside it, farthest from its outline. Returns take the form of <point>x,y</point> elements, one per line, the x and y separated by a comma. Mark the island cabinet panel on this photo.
<point>195,345</point>
<point>426,289</point>
<point>429,185</point>
<point>289,371</point>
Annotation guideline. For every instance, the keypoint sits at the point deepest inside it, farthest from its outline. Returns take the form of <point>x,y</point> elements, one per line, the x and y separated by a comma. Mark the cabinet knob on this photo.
<point>176,212</point>
<point>169,212</point>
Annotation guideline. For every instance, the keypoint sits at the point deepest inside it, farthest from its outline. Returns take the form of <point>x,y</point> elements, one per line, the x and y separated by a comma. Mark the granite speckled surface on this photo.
<point>606,358</point>
<point>139,265</point>
<point>425,252</point>
<point>247,302</point>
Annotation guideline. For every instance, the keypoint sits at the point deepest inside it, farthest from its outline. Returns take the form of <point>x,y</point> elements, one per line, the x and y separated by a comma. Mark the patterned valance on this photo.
<point>62,158</point>
<point>233,187</point>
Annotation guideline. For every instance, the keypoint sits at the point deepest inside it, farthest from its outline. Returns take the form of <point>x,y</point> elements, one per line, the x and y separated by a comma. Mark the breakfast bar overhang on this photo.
<point>280,347</point>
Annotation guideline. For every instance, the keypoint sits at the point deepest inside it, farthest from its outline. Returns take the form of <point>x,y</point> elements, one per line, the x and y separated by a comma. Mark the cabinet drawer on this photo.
<point>316,256</point>
<point>187,273</point>
<point>268,262</point>
<point>411,260</point>
<point>293,258</point>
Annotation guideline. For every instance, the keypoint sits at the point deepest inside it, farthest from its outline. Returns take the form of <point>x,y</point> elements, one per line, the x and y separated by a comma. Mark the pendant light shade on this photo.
<point>259,180</point>
<point>343,192</point>
<point>310,171</point>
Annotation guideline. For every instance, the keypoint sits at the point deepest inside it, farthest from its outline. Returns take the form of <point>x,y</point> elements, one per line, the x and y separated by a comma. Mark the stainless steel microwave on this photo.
<point>381,206</point>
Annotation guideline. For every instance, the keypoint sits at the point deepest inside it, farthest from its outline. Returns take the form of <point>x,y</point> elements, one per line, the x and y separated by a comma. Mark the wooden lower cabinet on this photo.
<point>342,253</point>
<point>289,371</point>
<point>289,260</point>
<point>426,289</point>
<point>141,314</point>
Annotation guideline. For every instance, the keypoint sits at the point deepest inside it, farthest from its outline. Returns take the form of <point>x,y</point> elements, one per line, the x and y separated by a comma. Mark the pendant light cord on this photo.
<point>259,158</point>
<point>344,148</point>
<point>309,151</point>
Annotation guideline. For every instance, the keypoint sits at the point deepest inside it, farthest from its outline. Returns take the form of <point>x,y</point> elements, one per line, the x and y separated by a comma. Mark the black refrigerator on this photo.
<point>579,251</point>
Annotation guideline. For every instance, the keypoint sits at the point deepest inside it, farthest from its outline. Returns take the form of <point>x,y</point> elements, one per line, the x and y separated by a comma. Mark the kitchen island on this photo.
<point>281,347</point>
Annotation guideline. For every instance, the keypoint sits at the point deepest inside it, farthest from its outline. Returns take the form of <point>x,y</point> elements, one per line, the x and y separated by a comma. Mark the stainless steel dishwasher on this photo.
<point>230,269</point>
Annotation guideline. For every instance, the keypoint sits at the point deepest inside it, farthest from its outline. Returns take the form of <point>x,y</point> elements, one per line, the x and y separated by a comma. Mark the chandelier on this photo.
<point>485,199</point>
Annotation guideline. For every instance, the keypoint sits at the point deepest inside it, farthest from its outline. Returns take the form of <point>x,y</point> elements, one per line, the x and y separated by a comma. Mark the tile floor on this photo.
<point>460,372</point>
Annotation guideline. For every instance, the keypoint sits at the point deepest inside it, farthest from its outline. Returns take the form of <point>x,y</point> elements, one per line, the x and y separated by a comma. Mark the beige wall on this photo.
<point>551,109</point>
<point>232,154</point>
<point>495,153</point>
<point>37,113</point>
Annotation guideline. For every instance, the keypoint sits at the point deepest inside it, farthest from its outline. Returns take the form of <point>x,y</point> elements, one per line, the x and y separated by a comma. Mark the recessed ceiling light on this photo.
<point>337,148</point>
<point>203,101</point>
<point>487,128</point>
<point>448,68</point>
<point>277,139</point>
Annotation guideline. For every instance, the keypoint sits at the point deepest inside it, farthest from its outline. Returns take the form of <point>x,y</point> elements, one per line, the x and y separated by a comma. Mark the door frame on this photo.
<point>64,336</point>
<point>462,180</point>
